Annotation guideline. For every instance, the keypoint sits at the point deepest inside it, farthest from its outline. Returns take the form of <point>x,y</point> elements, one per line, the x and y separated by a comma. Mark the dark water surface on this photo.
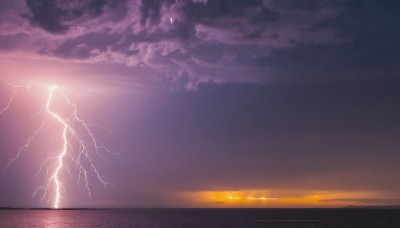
<point>277,218</point>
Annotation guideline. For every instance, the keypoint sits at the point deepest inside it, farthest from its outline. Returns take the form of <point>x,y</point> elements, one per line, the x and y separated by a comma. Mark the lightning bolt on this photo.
<point>9,103</point>
<point>13,96</point>
<point>55,176</point>
<point>74,131</point>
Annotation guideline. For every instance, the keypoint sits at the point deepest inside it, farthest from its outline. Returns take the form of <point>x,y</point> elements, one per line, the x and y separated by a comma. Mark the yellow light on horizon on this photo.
<point>283,198</point>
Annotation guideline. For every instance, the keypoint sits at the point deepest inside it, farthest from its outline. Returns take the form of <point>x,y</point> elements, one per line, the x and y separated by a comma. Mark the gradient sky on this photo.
<point>218,103</point>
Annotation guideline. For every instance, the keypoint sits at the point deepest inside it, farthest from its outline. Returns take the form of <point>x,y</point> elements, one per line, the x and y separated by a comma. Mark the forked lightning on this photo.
<point>75,133</point>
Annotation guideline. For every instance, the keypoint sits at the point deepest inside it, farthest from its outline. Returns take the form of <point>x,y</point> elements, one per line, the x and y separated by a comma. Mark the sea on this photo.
<point>218,218</point>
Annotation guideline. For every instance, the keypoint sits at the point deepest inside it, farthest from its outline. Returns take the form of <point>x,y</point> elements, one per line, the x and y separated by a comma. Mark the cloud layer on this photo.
<point>181,43</point>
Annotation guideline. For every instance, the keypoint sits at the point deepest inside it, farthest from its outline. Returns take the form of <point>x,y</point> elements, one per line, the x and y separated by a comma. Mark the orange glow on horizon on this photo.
<point>281,199</point>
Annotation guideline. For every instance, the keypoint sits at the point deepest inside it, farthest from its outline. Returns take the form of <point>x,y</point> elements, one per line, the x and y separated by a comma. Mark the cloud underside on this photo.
<point>183,42</point>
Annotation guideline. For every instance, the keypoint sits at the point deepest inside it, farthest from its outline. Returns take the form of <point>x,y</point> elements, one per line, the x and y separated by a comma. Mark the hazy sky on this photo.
<point>218,103</point>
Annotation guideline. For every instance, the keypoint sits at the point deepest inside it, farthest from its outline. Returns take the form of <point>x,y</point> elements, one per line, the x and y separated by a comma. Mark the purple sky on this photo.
<point>284,99</point>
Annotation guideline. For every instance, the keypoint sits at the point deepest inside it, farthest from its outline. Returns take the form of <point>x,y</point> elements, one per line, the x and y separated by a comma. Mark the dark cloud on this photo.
<point>46,15</point>
<point>151,11</point>
<point>220,9</point>
<point>189,42</point>
<point>80,47</point>
<point>195,42</point>
<point>8,5</point>
<point>58,16</point>
<point>372,51</point>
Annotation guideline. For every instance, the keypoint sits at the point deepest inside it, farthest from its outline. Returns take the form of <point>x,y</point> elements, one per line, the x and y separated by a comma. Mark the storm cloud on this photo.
<point>184,43</point>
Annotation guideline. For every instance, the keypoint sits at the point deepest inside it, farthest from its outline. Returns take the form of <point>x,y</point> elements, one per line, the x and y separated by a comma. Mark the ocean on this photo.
<point>204,218</point>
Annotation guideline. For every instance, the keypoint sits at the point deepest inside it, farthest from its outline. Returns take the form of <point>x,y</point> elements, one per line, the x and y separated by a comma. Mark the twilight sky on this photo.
<point>216,103</point>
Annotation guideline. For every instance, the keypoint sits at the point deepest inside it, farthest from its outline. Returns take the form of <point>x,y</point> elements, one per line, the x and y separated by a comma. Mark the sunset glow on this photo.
<point>283,198</point>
